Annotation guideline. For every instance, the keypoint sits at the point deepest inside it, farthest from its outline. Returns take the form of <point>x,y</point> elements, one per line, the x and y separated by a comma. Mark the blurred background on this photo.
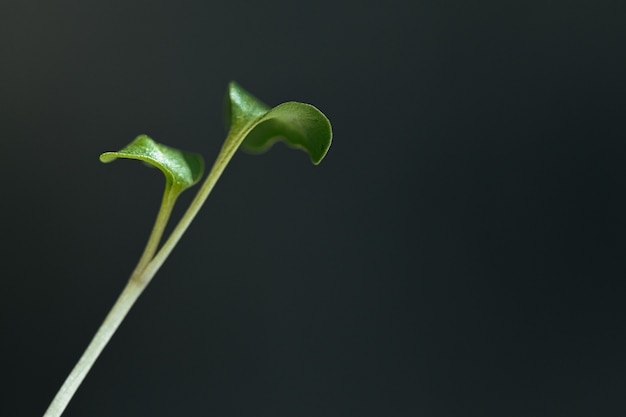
<point>459,252</point>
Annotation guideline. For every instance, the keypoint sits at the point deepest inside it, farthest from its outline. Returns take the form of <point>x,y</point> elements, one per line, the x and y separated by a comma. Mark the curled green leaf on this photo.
<point>257,127</point>
<point>181,169</point>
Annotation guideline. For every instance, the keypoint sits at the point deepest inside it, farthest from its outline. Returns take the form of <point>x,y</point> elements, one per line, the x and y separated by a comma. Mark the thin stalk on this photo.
<point>167,205</point>
<point>145,270</point>
<point>137,282</point>
<point>231,144</point>
<point>118,312</point>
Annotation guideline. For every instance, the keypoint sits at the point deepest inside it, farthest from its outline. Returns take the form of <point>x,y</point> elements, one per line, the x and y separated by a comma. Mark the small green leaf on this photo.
<point>181,169</point>
<point>299,125</point>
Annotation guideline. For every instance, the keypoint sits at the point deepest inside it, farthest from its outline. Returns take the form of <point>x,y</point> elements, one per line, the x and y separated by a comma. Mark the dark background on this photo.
<point>459,252</point>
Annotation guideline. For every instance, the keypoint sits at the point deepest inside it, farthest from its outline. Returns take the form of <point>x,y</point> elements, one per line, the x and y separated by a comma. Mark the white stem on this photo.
<point>125,301</point>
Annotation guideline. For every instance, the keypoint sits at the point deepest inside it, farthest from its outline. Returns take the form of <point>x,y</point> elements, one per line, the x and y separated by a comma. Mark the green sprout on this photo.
<point>251,125</point>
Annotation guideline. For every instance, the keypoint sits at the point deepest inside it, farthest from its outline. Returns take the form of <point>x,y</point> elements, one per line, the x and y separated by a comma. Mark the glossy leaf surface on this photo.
<point>257,127</point>
<point>181,169</point>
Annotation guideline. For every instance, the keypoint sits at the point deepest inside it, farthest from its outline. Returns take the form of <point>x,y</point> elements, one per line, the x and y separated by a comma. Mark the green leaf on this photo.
<point>181,169</point>
<point>257,127</point>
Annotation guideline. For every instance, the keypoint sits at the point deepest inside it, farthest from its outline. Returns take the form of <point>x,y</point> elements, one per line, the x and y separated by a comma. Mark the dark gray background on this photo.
<point>460,251</point>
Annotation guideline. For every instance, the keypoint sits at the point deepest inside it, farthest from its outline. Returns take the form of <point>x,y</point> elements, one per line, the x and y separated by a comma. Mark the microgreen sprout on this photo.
<point>251,125</point>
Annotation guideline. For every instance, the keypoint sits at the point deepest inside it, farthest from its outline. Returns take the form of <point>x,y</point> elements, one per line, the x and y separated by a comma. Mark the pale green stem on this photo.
<point>167,205</point>
<point>110,324</point>
<point>135,286</point>
<point>147,267</point>
<point>231,144</point>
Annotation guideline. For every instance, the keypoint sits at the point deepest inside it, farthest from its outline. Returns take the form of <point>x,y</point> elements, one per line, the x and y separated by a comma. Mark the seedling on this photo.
<point>252,125</point>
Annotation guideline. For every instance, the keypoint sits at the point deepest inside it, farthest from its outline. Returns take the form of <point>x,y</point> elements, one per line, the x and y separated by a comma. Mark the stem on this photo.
<point>231,144</point>
<point>136,284</point>
<point>127,298</point>
<point>167,205</point>
<point>147,267</point>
